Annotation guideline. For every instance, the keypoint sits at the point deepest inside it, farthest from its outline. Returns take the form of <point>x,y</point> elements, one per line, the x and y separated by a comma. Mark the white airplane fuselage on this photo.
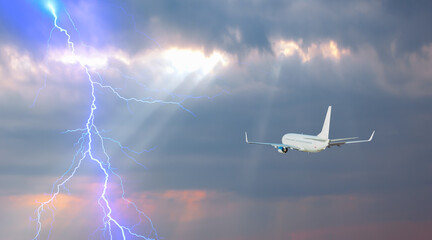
<point>305,143</point>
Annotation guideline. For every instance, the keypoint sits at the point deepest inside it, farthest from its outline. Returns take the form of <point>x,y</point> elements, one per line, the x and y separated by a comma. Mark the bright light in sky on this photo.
<point>186,60</point>
<point>51,7</point>
<point>93,59</point>
<point>174,60</point>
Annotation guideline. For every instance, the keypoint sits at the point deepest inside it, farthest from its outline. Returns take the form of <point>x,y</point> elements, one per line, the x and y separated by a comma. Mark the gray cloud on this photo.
<point>382,84</point>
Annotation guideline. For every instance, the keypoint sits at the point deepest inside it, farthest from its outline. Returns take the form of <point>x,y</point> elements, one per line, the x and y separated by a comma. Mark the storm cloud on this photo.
<point>265,67</point>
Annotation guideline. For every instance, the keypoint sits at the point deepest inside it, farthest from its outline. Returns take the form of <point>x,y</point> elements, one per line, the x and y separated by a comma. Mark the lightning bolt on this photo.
<point>91,134</point>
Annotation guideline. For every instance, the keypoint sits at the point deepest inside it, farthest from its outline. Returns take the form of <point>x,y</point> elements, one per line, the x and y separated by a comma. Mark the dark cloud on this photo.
<point>353,23</point>
<point>382,85</point>
<point>410,30</point>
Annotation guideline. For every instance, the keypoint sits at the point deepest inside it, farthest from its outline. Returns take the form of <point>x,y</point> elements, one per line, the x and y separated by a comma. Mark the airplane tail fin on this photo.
<point>326,126</point>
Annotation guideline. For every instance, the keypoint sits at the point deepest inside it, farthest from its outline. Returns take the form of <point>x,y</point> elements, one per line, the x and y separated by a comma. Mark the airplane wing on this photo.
<point>341,141</point>
<point>275,145</point>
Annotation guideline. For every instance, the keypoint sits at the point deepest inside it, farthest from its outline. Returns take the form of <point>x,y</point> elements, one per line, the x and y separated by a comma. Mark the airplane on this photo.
<point>311,143</point>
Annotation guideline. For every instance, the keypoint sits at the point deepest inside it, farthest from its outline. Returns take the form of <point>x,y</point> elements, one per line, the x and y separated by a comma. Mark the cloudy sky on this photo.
<point>212,70</point>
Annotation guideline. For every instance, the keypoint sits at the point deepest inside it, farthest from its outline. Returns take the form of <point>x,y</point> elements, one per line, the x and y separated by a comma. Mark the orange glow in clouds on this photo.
<point>189,202</point>
<point>327,50</point>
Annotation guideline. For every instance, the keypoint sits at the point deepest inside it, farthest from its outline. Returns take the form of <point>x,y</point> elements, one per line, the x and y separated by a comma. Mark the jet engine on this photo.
<point>282,150</point>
